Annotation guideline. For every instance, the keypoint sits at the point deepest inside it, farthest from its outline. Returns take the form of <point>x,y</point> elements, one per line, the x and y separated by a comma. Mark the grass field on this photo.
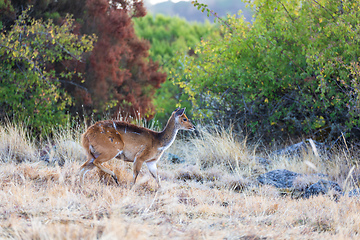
<point>212,194</point>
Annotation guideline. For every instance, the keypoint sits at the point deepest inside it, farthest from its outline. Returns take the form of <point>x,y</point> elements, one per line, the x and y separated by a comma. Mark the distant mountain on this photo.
<point>190,13</point>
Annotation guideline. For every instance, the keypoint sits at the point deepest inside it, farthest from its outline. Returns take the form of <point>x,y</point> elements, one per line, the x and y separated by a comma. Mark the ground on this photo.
<point>42,200</point>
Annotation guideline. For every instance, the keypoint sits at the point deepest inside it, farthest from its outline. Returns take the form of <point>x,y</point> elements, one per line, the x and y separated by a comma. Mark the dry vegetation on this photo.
<point>213,194</point>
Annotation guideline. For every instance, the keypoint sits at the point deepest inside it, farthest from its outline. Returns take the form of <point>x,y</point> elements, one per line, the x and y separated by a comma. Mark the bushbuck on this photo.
<point>110,139</point>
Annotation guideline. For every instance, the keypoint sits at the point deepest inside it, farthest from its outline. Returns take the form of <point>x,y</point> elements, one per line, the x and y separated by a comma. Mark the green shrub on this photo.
<point>292,72</point>
<point>29,87</point>
<point>170,37</point>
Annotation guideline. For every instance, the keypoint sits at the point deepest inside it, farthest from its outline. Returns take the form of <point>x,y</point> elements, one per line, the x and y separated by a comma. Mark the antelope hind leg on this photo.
<point>104,158</point>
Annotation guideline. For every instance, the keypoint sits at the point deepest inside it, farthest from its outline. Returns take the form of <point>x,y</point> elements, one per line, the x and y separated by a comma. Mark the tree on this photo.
<point>292,72</point>
<point>118,75</point>
<point>170,37</point>
<point>184,10</point>
<point>119,69</point>
<point>29,88</point>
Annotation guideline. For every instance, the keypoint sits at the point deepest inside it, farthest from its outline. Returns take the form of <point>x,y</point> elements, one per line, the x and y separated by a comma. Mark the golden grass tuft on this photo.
<point>65,145</point>
<point>15,144</point>
<point>225,150</point>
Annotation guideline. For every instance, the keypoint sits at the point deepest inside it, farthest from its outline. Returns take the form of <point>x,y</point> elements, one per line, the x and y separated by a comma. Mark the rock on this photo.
<point>175,158</point>
<point>294,149</point>
<point>299,185</point>
<point>323,187</point>
<point>60,152</point>
<point>303,182</point>
<point>252,237</point>
<point>189,173</point>
<point>280,178</point>
<point>298,148</point>
<point>354,193</point>
<point>263,161</point>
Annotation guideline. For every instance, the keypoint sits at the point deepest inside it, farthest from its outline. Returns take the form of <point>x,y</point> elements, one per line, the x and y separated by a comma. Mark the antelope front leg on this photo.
<point>153,170</point>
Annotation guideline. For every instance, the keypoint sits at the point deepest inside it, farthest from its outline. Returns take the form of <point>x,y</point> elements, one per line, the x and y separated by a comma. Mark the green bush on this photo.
<point>29,88</point>
<point>292,72</point>
<point>170,37</point>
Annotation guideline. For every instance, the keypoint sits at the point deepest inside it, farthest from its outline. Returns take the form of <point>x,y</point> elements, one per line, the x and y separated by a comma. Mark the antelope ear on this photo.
<point>180,112</point>
<point>177,109</point>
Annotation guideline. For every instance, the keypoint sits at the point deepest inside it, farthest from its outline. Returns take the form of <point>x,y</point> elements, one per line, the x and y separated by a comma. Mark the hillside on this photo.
<point>190,13</point>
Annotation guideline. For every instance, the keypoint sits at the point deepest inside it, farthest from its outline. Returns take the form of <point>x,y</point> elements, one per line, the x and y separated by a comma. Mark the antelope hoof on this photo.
<point>116,180</point>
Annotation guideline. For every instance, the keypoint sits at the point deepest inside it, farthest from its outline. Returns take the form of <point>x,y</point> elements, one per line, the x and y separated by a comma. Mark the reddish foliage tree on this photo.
<point>119,68</point>
<point>118,75</point>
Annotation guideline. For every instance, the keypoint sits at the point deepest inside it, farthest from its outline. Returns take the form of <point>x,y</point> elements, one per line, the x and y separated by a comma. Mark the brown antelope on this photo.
<point>110,139</point>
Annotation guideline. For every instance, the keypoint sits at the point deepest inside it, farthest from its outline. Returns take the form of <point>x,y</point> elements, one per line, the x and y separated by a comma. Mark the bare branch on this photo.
<point>286,11</point>
<point>75,84</point>
<point>327,10</point>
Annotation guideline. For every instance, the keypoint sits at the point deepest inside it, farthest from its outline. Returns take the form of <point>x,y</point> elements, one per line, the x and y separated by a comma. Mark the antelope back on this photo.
<point>103,137</point>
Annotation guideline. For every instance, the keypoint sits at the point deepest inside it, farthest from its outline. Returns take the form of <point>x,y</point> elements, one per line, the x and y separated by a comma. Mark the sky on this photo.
<point>159,1</point>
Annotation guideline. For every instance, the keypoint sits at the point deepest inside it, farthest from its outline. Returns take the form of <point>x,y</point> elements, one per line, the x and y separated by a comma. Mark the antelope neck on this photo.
<point>168,134</point>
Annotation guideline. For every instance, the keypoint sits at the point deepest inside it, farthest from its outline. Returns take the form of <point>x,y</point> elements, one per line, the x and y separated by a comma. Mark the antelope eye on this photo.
<point>184,119</point>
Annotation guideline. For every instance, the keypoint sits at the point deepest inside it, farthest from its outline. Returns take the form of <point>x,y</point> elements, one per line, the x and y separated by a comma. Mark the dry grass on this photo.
<point>212,195</point>
<point>15,144</point>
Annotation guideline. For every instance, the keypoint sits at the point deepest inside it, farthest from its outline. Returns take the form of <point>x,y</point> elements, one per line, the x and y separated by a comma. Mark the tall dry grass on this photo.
<point>16,144</point>
<point>211,195</point>
<point>64,146</point>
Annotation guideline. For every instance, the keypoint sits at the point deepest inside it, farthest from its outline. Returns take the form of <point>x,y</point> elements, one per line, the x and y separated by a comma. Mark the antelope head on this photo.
<point>182,121</point>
